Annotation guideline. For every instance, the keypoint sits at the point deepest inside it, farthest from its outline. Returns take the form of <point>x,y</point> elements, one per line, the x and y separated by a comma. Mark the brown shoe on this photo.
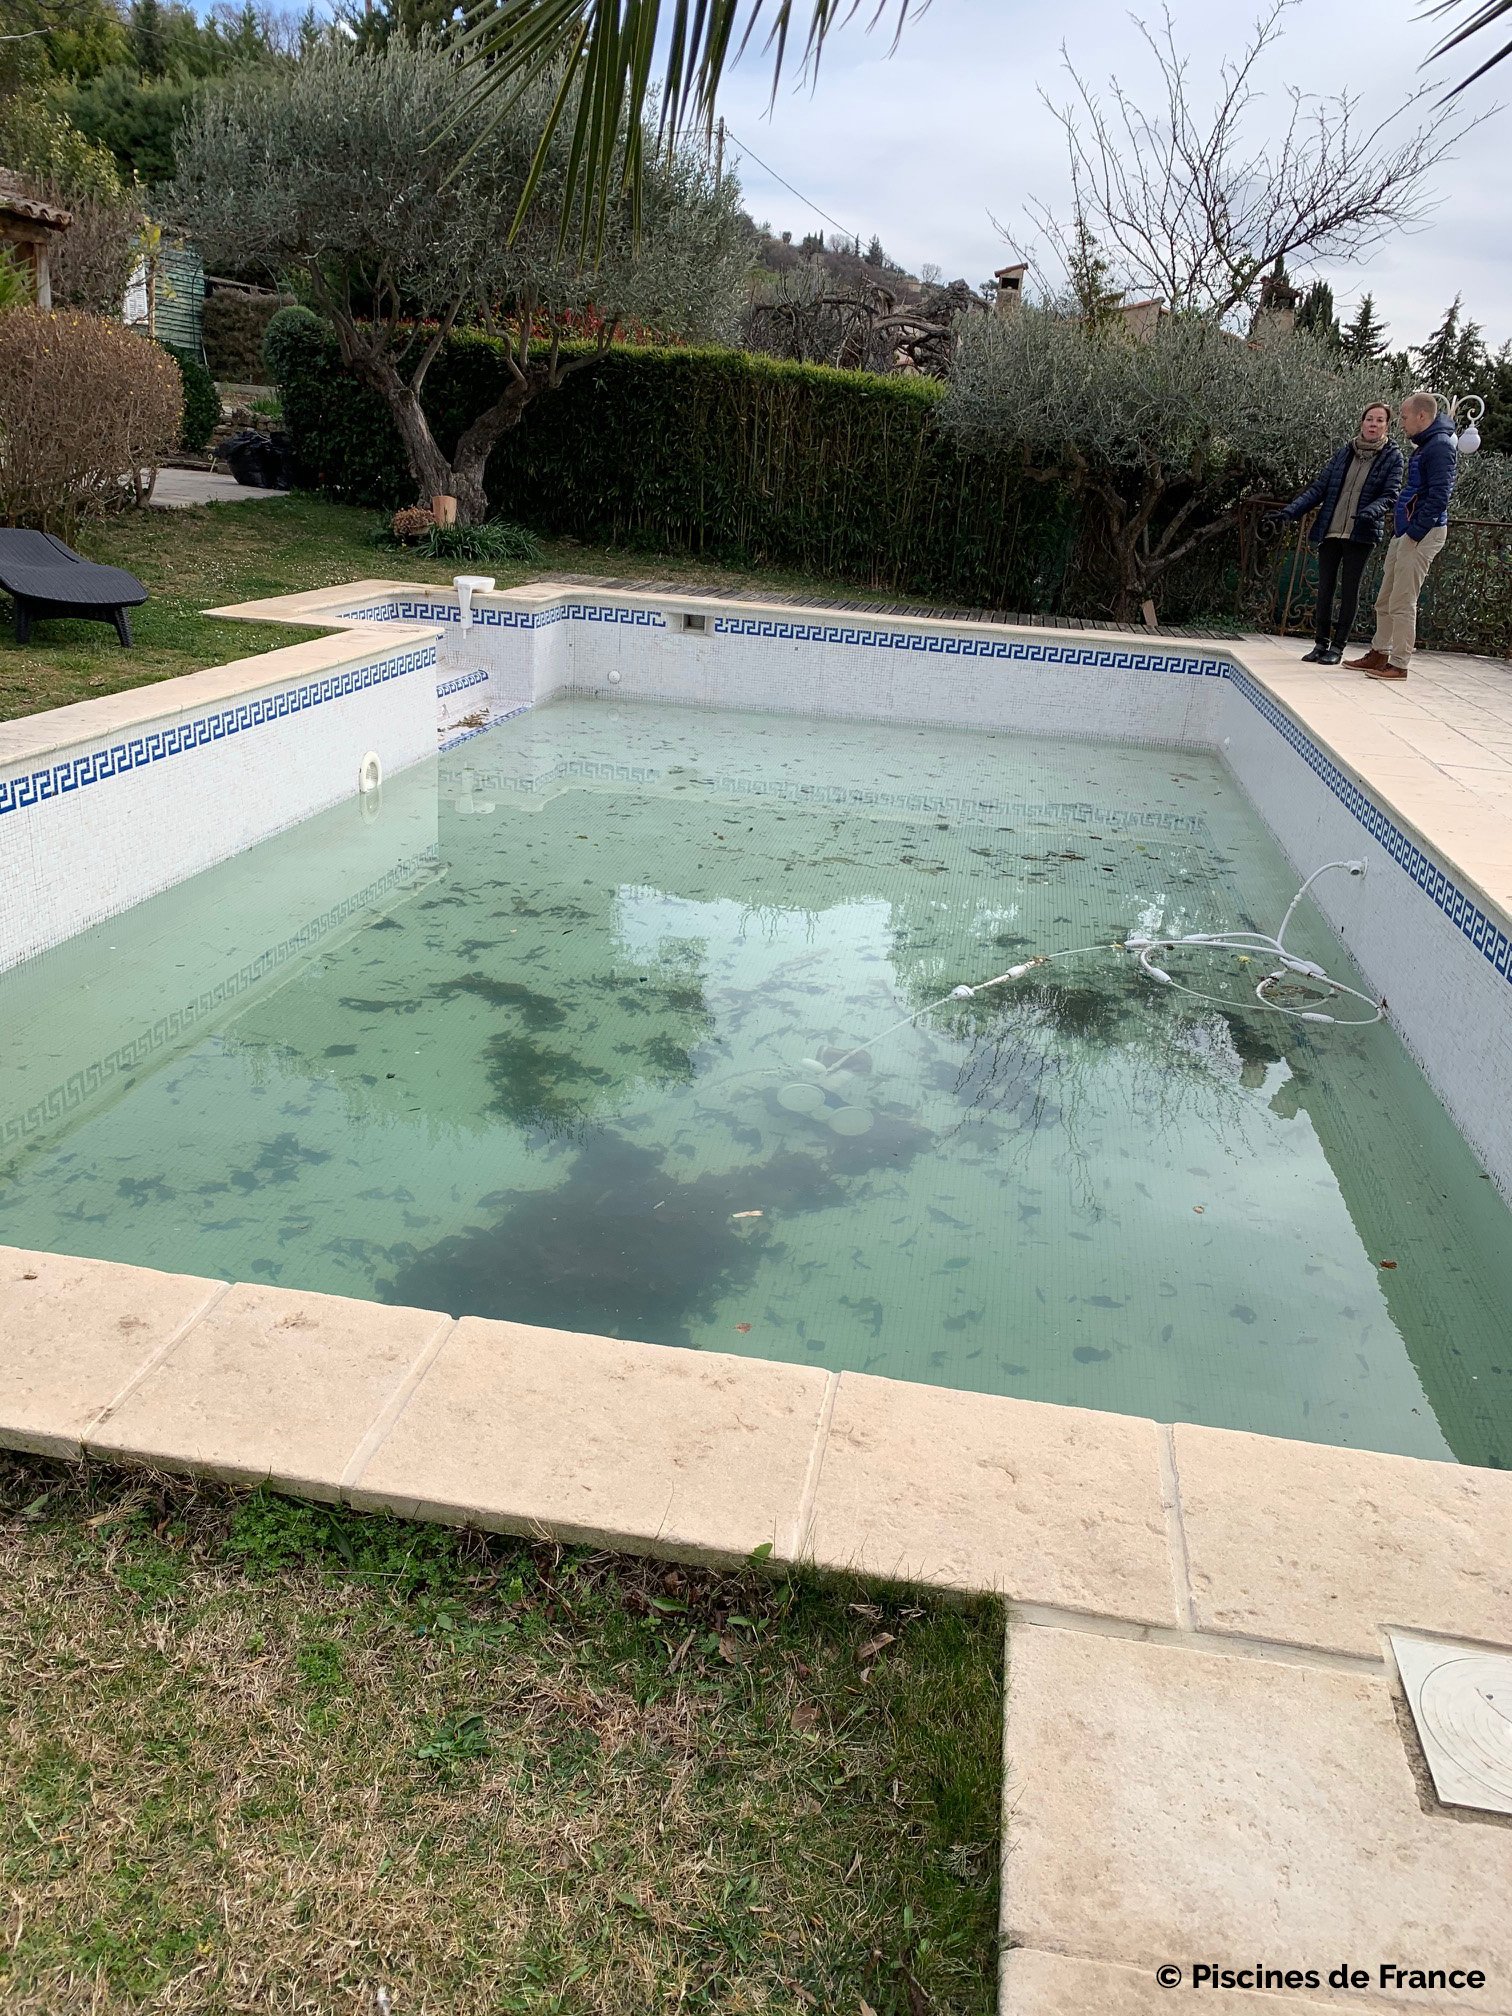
<point>1373,661</point>
<point>1387,671</point>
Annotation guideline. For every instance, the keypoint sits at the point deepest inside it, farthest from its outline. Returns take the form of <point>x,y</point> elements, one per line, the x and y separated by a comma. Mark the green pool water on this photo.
<point>524,1045</point>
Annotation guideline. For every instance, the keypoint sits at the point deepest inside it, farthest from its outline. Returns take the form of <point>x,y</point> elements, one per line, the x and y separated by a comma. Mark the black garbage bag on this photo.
<point>259,461</point>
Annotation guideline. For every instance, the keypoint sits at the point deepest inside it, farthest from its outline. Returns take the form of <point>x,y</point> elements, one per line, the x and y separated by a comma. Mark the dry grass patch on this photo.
<point>261,1755</point>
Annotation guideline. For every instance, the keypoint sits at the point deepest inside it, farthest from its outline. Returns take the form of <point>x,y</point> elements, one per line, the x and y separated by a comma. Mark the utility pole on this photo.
<point>719,140</point>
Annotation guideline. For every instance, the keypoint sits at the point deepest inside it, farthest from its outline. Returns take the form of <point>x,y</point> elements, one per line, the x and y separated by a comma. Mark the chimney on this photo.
<point>1010,287</point>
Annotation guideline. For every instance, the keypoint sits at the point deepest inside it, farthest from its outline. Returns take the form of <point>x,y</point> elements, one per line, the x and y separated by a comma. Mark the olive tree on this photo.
<point>380,177</point>
<point>1164,436</point>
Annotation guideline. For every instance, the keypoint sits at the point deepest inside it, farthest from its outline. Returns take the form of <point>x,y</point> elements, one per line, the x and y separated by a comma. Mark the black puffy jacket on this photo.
<point>1382,482</point>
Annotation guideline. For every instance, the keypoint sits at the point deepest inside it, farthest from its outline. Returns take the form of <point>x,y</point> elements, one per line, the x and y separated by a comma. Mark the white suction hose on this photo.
<point>1248,944</point>
<point>1258,943</point>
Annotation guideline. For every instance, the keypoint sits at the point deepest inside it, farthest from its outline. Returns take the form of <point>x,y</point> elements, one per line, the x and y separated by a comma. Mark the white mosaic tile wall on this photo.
<point>838,666</point>
<point>890,671</point>
<point>1443,964</point>
<point>92,829</point>
<point>273,909</point>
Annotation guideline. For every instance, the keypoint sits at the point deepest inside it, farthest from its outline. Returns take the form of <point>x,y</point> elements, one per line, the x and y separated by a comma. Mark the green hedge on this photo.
<point>202,406</point>
<point>234,327</point>
<point>715,452</point>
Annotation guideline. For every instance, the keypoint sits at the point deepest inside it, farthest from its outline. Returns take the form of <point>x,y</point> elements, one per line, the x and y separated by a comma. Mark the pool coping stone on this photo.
<point>703,1455</point>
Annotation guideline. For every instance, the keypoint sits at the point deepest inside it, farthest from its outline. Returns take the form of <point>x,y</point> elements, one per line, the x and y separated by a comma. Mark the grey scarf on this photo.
<point>1347,506</point>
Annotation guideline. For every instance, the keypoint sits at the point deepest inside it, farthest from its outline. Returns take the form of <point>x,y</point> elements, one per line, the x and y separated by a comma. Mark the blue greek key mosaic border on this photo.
<point>1463,912</point>
<point>400,609</point>
<point>181,738</point>
<point>1017,650</point>
<point>83,1085</point>
<point>861,798</point>
<point>493,721</point>
<point>478,678</point>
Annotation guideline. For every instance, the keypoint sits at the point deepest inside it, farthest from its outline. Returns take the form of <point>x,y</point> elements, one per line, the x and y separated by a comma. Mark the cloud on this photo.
<point>924,146</point>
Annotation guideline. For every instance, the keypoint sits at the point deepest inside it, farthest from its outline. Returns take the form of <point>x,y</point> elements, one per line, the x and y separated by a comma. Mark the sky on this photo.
<point>926,145</point>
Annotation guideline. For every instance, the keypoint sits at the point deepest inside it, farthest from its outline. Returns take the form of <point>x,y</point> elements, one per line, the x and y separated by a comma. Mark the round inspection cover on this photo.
<point>1465,1705</point>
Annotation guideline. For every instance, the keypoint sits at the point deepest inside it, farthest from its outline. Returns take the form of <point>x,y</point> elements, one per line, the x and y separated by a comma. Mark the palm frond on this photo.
<point>602,54</point>
<point>1481,19</point>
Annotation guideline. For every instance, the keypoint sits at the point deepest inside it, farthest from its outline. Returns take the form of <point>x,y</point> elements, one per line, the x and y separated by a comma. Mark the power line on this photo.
<point>854,236</point>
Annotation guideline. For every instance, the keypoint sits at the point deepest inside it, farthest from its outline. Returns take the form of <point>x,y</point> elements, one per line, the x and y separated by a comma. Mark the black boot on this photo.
<point>1317,654</point>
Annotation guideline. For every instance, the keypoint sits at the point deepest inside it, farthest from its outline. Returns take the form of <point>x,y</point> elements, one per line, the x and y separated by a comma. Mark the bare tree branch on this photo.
<point>1183,205</point>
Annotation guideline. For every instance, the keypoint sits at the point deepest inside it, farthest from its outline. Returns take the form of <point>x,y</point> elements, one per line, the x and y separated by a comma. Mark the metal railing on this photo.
<point>1466,603</point>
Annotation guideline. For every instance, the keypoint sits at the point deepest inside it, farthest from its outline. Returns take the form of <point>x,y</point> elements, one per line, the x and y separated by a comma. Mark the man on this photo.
<point>1421,520</point>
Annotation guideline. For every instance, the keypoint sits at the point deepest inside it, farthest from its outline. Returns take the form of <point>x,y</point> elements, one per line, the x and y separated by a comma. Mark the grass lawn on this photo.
<point>262,1755</point>
<point>202,558</point>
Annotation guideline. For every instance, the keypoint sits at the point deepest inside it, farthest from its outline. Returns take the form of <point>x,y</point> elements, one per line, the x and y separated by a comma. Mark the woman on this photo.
<point>1354,493</point>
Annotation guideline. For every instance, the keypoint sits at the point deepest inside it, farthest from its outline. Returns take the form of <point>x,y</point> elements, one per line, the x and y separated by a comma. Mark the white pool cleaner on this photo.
<point>1250,944</point>
<point>799,1096</point>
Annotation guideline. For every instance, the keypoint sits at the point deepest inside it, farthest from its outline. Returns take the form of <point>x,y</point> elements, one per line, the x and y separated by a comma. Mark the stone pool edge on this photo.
<point>1175,1593</point>
<point>1064,1511</point>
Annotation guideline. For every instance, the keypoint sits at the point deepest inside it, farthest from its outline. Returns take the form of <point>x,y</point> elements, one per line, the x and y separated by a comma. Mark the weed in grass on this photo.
<point>328,1751</point>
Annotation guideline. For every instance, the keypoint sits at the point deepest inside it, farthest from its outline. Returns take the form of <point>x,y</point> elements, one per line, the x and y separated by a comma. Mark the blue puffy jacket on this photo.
<point>1424,501</point>
<point>1382,481</point>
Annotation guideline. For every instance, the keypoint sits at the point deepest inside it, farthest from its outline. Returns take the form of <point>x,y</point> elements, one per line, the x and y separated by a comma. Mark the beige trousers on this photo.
<point>1407,564</point>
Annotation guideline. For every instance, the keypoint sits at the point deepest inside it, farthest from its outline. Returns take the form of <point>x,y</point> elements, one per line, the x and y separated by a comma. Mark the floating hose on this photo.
<point>1248,944</point>
<point>1252,943</point>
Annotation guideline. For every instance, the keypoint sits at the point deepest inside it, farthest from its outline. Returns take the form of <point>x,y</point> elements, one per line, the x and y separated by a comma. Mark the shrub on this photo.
<point>235,326</point>
<point>202,406</point>
<point>716,452</point>
<point>86,408</point>
<point>293,334</point>
<point>496,539</point>
<point>92,261</point>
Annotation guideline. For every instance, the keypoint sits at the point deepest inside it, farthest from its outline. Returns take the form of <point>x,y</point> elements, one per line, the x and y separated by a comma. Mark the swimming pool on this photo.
<point>540,1040</point>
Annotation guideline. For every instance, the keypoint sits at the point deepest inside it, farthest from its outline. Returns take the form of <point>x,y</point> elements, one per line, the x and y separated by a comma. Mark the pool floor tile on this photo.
<point>272,1384</point>
<point>1311,1545</point>
<point>75,1334</point>
<point>1167,1805</point>
<point>1041,1504</point>
<point>683,1453</point>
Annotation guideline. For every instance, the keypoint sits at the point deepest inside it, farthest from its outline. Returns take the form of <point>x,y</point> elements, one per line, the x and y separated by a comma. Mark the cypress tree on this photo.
<point>1364,341</point>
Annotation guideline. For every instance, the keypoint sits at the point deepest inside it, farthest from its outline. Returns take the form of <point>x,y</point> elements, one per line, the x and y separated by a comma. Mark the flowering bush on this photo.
<point>87,411</point>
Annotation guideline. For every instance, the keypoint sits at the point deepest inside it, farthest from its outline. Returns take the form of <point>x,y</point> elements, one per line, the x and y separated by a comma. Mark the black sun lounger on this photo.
<point>43,577</point>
